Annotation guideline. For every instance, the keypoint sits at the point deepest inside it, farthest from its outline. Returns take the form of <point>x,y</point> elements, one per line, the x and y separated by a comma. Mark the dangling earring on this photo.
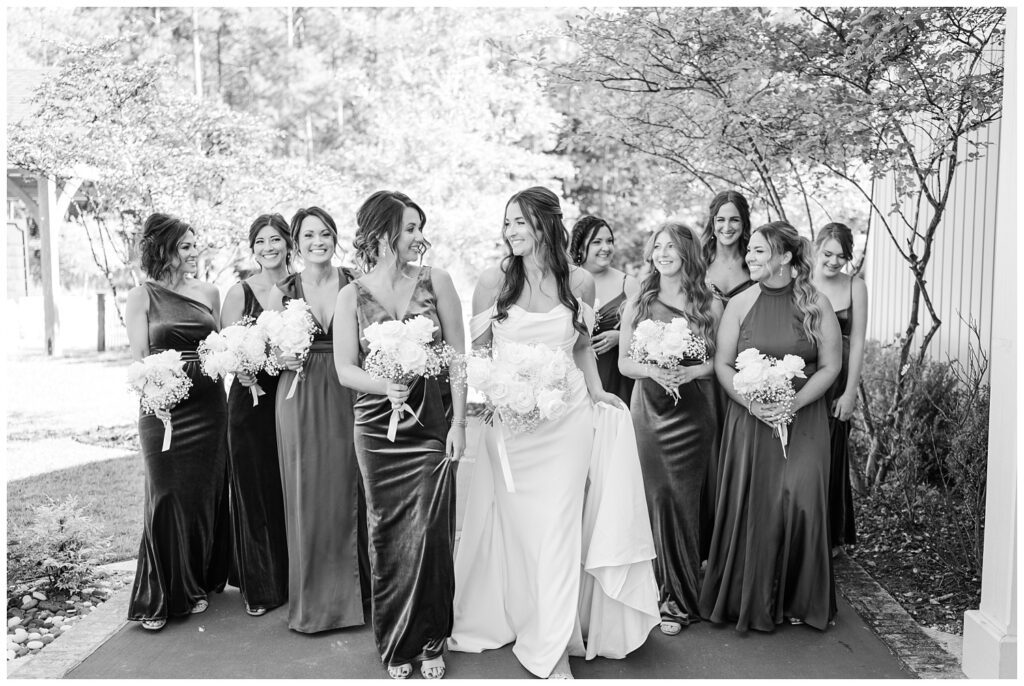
<point>792,272</point>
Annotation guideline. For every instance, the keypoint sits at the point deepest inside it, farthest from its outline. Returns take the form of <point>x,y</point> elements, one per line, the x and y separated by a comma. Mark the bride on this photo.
<point>518,567</point>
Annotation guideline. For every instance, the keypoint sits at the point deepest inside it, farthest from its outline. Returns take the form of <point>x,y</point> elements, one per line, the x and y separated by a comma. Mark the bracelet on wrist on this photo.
<point>460,422</point>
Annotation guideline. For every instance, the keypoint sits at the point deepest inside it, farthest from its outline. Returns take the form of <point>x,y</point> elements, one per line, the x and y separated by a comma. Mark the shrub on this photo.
<point>62,544</point>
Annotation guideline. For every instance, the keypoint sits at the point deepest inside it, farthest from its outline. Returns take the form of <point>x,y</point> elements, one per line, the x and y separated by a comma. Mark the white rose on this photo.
<point>674,342</point>
<point>748,356</point>
<point>521,398</point>
<point>136,375</point>
<point>412,357</point>
<point>551,404</point>
<point>270,323</point>
<point>478,371</point>
<point>420,329</point>
<point>514,354</point>
<point>499,386</point>
<point>793,366</point>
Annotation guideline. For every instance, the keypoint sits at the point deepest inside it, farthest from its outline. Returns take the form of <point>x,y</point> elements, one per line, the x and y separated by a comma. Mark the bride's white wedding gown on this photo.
<point>520,560</point>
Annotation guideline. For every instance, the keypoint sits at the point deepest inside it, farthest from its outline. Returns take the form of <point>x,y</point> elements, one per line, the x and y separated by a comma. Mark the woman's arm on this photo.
<point>449,312</point>
<point>234,304</point>
<point>484,295</point>
<point>136,315</point>
<point>706,370</point>
<point>346,346</point>
<point>830,358</point>
<point>726,343</point>
<point>858,333</point>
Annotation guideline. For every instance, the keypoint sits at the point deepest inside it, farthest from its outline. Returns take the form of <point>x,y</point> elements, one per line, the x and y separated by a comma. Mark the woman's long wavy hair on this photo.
<point>694,272</point>
<point>380,217</point>
<point>783,238</point>
<point>583,232</point>
<point>158,246</point>
<point>709,239</point>
<point>543,215</point>
<point>277,223</point>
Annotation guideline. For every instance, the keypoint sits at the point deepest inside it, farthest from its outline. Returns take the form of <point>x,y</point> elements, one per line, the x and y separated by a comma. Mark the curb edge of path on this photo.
<point>81,641</point>
<point>918,652</point>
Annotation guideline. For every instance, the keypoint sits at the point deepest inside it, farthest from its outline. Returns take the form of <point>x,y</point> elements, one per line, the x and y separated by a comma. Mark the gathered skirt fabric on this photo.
<point>769,556</point>
<point>410,501</point>
<point>257,504</point>
<point>184,553</point>
<point>325,523</point>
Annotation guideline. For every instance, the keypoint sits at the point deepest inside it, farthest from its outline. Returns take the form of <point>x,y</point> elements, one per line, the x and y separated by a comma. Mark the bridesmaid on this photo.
<point>674,439</point>
<point>724,247</point>
<point>769,554</point>
<point>592,246</point>
<point>834,250</point>
<point>257,508</point>
<point>180,560</point>
<point>409,483</point>
<point>325,516</point>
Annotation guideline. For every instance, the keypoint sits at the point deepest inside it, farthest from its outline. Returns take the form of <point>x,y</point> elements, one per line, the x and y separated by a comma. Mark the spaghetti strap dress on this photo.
<point>410,499</point>
<point>184,553</point>
<point>325,515</point>
<point>770,556</point>
<point>841,520</point>
<point>257,504</point>
<point>608,319</point>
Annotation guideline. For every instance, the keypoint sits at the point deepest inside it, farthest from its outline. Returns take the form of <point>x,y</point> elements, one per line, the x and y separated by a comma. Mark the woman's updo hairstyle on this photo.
<point>583,232</point>
<point>277,223</point>
<point>841,234</point>
<point>158,246</point>
<point>380,218</point>
<point>783,238</point>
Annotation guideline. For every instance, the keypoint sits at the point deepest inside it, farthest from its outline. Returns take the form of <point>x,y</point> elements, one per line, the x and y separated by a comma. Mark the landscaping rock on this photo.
<point>20,635</point>
<point>34,645</point>
<point>47,639</point>
<point>13,622</point>
<point>28,602</point>
<point>38,595</point>
<point>11,654</point>
<point>22,651</point>
<point>87,603</point>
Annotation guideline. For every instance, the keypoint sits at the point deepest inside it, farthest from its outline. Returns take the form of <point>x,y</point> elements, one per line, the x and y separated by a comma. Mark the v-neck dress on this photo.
<point>325,517</point>
<point>608,319</point>
<point>185,552</point>
<point>410,498</point>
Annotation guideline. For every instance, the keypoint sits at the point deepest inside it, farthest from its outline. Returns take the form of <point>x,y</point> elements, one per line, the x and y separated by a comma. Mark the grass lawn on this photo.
<point>109,492</point>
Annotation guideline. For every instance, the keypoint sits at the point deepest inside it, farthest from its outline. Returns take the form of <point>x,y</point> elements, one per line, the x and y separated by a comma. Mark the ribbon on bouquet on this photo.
<point>396,414</point>
<point>256,393</point>
<point>506,466</point>
<point>782,431</point>
<point>167,435</point>
<point>295,384</point>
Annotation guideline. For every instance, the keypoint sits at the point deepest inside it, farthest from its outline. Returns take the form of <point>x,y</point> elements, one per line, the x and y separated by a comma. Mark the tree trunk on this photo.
<point>197,49</point>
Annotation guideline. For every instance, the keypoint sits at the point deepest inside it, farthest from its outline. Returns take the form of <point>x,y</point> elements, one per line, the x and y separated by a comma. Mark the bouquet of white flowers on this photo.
<point>290,332</point>
<point>161,383</point>
<point>666,344</point>
<point>524,384</point>
<point>402,351</point>
<point>769,380</point>
<point>240,347</point>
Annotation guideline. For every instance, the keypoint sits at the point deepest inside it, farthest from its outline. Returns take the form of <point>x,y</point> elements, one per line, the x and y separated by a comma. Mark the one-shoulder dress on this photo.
<point>185,552</point>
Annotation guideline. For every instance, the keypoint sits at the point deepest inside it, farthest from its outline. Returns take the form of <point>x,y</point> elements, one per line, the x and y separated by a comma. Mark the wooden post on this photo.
<point>49,239</point>
<point>101,322</point>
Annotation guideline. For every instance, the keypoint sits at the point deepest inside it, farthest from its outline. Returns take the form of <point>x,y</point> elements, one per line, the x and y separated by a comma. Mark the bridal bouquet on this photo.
<point>161,383</point>
<point>666,344</point>
<point>402,351</point>
<point>290,332</point>
<point>241,347</point>
<point>525,384</point>
<point>769,380</point>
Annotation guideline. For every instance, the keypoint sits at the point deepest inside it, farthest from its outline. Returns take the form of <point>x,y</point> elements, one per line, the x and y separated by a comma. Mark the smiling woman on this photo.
<point>184,553</point>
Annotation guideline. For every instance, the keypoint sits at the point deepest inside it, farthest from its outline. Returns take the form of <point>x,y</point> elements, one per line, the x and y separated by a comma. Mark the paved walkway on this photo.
<point>226,643</point>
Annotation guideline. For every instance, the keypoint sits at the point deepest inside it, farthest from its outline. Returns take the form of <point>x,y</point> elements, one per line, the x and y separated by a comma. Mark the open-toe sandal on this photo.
<point>255,611</point>
<point>433,671</point>
<point>400,671</point>
<point>671,627</point>
<point>200,606</point>
<point>153,624</point>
